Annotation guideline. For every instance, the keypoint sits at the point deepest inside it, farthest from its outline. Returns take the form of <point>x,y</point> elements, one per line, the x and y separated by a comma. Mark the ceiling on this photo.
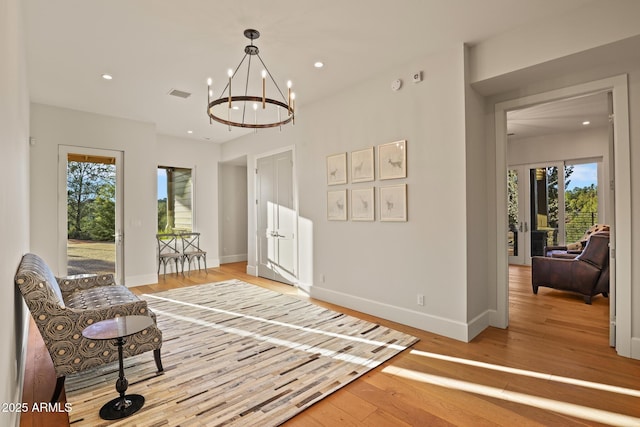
<point>153,46</point>
<point>566,115</point>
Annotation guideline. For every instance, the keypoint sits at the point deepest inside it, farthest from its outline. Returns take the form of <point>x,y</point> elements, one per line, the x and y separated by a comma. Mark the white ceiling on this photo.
<point>565,115</point>
<point>154,46</point>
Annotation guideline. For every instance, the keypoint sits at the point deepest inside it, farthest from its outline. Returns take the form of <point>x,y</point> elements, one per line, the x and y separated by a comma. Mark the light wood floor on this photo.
<point>436,382</point>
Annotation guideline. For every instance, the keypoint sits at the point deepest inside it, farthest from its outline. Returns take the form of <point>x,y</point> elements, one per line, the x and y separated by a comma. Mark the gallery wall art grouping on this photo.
<point>360,200</point>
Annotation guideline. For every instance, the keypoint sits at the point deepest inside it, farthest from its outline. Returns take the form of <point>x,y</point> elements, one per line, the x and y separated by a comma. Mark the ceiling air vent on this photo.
<point>179,93</point>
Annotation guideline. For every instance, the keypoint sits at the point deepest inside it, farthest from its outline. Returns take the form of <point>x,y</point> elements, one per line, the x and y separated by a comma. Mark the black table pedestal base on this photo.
<point>117,408</point>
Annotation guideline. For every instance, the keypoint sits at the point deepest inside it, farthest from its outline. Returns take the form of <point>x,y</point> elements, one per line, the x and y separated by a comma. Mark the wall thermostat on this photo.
<point>396,84</point>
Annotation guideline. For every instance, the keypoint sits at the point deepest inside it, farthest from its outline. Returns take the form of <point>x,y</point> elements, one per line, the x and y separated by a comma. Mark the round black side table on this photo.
<point>118,329</point>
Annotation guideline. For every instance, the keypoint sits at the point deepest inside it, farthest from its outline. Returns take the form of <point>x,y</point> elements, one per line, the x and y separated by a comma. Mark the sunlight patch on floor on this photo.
<point>532,374</point>
<point>273,340</point>
<point>565,408</point>
<point>283,324</point>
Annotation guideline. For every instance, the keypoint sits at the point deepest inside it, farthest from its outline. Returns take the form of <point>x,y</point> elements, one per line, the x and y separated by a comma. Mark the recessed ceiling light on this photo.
<point>189,131</point>
<point>107,76</point>
<point>586,122</point>
<point>318,64</point>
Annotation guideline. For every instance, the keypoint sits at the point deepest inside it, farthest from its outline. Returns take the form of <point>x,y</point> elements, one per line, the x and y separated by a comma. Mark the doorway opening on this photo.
<point>553,198</point>
<point>91,188</point>
<point>91,234</point>
<point>618,209</point>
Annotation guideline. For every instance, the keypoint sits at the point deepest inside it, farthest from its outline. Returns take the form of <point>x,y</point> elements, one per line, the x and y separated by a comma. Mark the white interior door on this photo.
<point>276,217</point>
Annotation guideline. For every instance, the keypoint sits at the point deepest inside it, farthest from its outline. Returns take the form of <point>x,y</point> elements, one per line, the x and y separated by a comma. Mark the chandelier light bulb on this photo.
<point>264,89</point>
<point>209,81</point>
<point>230,73</point>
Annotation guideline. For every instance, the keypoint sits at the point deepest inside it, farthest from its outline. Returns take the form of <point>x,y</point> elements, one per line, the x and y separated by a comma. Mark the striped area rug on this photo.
<point>237,354</point>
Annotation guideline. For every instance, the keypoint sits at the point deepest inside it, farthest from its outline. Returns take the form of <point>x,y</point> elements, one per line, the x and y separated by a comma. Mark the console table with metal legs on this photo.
<point>118,329</point>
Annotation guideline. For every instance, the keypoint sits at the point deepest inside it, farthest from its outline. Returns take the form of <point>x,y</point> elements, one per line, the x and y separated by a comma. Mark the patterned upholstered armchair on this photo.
<point>62,308</point>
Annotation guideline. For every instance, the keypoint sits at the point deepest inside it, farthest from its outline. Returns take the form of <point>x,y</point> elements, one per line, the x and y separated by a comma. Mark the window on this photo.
<point>175,199</point>
<point>581,198</point>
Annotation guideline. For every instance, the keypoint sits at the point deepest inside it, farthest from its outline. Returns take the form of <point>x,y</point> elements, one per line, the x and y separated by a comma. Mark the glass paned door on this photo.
<point>90,231</point>
<point>535,219</point>
<point>545,207</point>
<point>515,237</point>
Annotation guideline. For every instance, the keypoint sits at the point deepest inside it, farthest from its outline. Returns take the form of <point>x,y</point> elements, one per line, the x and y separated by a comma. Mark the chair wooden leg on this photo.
<point>156,356</point>
<point>58,389</point>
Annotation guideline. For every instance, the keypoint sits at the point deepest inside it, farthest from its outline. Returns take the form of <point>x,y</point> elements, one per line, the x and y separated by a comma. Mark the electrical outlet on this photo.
<point>420,299</point>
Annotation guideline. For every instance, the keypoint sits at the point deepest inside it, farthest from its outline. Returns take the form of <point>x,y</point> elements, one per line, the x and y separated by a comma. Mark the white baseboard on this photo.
<point>143,279</point>
<point>478,324</point>
<point>252,270</point>
<point>305,288</point>
<point>226,259</point>
<point>635,348</point>
<point>438,325</point>
<point>495,320</point>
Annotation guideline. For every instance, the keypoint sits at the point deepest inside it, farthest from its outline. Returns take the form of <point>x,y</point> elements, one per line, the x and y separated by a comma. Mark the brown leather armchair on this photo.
<point>587,274</point>
<point>576,247</point>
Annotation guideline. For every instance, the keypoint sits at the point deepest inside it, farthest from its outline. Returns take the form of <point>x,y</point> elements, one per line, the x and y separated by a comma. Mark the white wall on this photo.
<point>379,267</point>
<point>202,158</point>
<point>478,315</point>
<point>595,24</point>
<point>52,127</point>
<point>143,152</point>
<point>585,144</point>
<point>598,61</point>
<point>233,221</point>
<point>14,203</point>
